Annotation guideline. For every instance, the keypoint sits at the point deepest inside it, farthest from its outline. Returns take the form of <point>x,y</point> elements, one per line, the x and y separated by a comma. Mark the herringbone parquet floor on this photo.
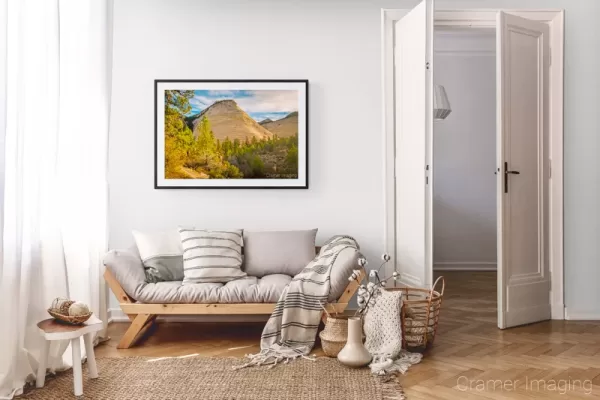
<point>470,359</point>
<point>473,359</point>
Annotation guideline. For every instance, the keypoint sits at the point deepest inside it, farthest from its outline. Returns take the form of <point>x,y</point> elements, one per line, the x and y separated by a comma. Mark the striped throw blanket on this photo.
<point>291,330</point>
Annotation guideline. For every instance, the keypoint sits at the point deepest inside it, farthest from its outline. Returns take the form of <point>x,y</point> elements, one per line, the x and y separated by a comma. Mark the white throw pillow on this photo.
<point>161,254</point>
<point>211,255</point>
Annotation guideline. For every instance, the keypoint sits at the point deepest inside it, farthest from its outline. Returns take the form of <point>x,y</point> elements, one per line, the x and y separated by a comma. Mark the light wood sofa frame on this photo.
<point>143,316</point>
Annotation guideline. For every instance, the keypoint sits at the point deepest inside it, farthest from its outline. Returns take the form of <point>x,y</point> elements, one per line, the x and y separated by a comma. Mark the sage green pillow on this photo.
<point>161,254</point>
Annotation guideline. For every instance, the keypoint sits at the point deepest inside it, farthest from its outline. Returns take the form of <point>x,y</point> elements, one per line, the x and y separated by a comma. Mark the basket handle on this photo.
<point>435,284</point>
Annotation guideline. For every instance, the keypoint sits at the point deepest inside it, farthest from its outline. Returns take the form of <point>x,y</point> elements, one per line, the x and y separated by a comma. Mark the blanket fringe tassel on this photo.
<point>274,356</point>
<point>384,364</point>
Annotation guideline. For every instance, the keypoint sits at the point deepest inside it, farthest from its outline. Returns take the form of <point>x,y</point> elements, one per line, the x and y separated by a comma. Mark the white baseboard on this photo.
<point>115,315</point>
<point>558,311</point>
<point>586,315</point>
<point>465,266</point>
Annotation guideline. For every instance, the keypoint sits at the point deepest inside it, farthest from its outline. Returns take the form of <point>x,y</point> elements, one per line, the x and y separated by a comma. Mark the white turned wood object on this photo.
<point>51,330</point>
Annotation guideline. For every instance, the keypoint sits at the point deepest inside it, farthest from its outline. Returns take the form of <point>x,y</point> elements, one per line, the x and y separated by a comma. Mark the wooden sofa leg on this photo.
<point>141,323</point>
<point>350,290</point>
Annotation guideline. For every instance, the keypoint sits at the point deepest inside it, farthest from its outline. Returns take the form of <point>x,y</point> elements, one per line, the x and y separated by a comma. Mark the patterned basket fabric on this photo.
<point>382,325</point>
<point>416,331</point>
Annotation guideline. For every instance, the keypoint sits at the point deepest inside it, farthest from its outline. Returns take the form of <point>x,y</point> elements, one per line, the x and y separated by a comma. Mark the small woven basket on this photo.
<point>335,335</point>
<point>419,315</point>
<point>69,319</point>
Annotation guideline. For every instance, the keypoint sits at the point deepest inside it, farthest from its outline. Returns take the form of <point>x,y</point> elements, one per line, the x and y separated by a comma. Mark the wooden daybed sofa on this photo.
<point>142,302</point>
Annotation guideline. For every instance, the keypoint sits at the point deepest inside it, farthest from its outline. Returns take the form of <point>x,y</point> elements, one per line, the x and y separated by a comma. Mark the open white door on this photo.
<point>413,63</point>
<point>523,63</point>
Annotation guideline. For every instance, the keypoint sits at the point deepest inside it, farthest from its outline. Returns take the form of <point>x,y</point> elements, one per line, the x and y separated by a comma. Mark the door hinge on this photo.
<point>427,174</point>
<point>427,65</point>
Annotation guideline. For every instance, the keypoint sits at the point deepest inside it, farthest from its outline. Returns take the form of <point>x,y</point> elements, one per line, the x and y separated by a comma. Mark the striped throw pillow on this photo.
<point>211,255</point>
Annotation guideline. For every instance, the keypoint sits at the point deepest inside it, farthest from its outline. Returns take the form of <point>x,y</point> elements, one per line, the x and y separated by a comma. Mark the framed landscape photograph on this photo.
<point>231,134</point>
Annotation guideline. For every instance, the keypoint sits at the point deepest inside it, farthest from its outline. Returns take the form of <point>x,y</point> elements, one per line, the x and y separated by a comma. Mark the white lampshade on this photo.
<point>441,105</point>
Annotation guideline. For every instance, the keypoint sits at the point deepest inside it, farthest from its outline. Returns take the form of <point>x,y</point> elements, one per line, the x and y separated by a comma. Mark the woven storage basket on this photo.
<point>335,335</point>
<point>69,319</point>
<point>419,315</point>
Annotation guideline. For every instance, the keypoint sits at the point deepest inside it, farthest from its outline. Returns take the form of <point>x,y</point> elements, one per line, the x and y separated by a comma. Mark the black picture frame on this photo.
<point>305,114</point>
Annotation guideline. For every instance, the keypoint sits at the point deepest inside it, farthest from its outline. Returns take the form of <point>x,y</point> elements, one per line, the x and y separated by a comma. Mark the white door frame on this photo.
<point>483,18</point>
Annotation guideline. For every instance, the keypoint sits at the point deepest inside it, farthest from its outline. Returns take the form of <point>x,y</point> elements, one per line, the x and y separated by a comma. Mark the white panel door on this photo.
<point>523,63</point>
<point>413,64</point>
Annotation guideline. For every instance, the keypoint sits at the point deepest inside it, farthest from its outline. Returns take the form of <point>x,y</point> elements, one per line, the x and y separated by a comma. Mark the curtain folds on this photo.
<point>55,60</point>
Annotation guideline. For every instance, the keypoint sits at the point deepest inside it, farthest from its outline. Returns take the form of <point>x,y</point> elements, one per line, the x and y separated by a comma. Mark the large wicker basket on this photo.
<point>419,315</point>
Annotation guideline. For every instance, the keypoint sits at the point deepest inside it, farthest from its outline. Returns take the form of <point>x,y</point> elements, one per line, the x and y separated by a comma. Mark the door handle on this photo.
<point>506,172</point>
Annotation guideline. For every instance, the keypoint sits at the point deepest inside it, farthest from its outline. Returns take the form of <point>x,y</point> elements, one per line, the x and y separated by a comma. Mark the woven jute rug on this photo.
<point>214,379</point>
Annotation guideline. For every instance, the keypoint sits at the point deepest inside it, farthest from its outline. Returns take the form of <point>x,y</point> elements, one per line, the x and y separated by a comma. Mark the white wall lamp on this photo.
<point>441,105</point>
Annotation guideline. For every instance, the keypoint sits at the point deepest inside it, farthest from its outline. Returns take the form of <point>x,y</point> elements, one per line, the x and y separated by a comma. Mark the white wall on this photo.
<point>335,44</point>
<point>464,188</point>
<point>338,50</point>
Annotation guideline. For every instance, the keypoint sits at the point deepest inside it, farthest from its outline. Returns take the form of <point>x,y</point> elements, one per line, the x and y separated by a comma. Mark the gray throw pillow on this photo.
<point>161,254</point>
<point>284,252</point>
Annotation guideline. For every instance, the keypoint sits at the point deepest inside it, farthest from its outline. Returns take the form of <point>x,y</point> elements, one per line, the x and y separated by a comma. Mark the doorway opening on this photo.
<point>528,91</point>
<point>464,169</point>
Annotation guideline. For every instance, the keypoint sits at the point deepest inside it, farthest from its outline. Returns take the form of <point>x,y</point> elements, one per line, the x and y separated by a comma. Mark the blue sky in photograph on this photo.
<point>259,104</point>
<point>273,116</point>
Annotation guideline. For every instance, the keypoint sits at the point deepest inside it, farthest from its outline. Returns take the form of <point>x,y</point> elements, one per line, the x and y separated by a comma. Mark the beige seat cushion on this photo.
<point>246,290</point>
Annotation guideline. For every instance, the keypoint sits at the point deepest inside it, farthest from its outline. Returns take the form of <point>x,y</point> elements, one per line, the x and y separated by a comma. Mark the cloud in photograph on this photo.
<point>257,103</point>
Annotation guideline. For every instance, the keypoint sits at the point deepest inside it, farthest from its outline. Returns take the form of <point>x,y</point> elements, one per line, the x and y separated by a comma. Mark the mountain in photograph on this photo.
<point>208,137</point>
<point>265,121</point>
<point>284,127</point>
<point>227,119</point>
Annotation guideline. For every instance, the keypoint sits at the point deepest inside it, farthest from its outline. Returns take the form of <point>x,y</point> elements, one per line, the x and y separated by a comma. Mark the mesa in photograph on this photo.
<point>231,134</point>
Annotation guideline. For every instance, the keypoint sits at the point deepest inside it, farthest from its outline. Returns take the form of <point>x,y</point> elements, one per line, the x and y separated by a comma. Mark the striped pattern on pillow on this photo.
<point>211,255</point>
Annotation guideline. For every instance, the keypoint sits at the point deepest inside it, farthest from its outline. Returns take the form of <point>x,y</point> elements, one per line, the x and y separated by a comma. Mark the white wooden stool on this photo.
<point>53,330</point>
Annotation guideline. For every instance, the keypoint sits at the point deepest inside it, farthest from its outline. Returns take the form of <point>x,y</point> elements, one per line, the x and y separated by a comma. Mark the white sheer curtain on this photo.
<point>54,114</point>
